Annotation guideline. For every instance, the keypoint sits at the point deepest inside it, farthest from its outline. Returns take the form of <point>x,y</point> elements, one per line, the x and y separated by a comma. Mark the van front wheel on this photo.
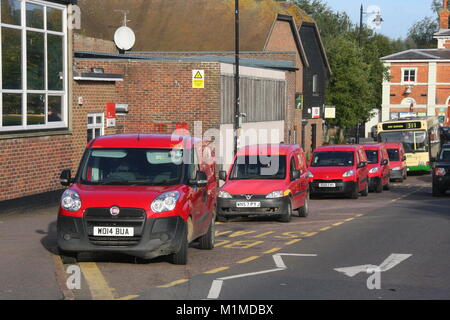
<point>180,257</point>
<point>288,215</point>
<point>206,242</point>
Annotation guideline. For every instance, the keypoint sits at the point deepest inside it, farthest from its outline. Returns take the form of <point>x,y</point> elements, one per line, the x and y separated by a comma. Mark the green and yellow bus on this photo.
<point>420,138</point>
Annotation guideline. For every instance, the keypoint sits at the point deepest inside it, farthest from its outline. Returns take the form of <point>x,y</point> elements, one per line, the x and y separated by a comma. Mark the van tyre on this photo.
<point>288,215</point>
<point>206,242</point>
<point>365,193</point>
<point>68,257</point>
<point>222,218</point>
<point>379,187</point>
<point>180,257</point>
<point>303,212</point>
<point>387,187</point>
<point>355,193</point>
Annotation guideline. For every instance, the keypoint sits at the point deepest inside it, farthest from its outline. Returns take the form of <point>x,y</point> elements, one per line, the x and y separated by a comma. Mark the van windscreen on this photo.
<point>394,155</point>
<point>372,156</point>
<point>132,167</point>
<point>259,167</point>
<point>333,159</point>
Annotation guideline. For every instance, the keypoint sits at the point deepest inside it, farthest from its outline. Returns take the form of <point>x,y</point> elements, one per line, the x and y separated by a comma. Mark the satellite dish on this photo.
<point>124,38</point>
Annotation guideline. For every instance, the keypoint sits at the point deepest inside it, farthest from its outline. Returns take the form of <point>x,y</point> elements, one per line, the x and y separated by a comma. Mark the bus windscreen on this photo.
<point>413,141</point>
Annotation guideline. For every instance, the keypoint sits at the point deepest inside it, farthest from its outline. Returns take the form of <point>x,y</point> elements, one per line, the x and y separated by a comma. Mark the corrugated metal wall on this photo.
<point>261,99</point>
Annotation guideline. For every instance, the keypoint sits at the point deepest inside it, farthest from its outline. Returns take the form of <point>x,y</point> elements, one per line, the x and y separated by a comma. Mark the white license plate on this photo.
<point>248,204</point>
<point>113,232</point>
<point>327,185</point>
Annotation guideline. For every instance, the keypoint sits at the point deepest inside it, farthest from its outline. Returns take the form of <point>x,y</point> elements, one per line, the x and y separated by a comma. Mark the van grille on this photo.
<point>128,217</point>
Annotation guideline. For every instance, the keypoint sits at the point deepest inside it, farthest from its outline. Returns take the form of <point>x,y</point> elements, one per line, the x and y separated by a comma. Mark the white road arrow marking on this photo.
<point>391,261</point>
<point>216,286</point>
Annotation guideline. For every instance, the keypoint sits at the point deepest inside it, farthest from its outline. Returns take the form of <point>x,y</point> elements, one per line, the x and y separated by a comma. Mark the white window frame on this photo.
<point>24,91</point>
<point>94,125</point>
<point>416,73</point>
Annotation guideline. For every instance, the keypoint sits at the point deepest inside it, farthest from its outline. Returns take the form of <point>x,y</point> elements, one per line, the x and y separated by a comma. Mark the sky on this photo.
<point>398,15</point>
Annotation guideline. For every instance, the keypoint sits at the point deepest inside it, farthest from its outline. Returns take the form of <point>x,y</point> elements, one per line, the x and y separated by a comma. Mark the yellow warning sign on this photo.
<point>198,79</point>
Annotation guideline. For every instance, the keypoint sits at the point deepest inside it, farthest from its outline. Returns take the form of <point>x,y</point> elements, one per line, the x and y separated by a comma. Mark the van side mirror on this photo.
<point>432,159</point>
<point>201,179</point>
<point>66,178</point>
<point>384,162</point>
<point>223,175</point>
<point>295,175</point>
<point>404,158</point>
<point>361,165</point>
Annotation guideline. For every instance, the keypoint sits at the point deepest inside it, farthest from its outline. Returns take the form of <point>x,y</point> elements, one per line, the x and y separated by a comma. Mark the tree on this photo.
<point>422,33</point>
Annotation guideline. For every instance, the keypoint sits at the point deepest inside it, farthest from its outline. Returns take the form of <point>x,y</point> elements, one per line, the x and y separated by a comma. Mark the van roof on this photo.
<point>373,146</point>
<point>342,147</point>
<point>268,149</point>
<point>157,141</point>
<point>393,144</point>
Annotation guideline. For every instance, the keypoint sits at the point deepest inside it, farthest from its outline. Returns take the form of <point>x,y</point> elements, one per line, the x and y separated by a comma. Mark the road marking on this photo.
<point>217,270</point>
<point>325,229</point>
<point>360,215</point>
<point>130,297</point>
<point>264,234</point>
<point>337,224</point>
<point>293,241</point>
<point>173,283</point>
<point>390,262</point>
<point>349,219</point>
<point>216,286</point>
<point>248,259</point>
<point>272,250</point>
<point>311,234</point>
<point>97,283</point>
<point>243,244</point>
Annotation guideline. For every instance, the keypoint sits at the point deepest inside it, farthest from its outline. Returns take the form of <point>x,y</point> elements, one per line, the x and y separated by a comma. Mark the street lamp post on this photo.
<point>237,111</point>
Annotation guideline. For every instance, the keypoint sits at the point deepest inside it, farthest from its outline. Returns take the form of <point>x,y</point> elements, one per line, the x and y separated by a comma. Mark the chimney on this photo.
<point>444,15</point>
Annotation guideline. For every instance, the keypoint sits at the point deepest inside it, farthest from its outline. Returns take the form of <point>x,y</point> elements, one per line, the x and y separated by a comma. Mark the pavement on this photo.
<point>393,245</point>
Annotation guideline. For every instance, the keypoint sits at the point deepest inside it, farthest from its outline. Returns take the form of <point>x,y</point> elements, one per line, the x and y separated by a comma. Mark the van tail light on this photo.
<point>440,172</point>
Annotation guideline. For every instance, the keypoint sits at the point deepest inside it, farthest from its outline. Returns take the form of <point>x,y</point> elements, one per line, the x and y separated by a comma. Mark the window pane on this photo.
<point>36,109</point>
<point>12,109</point>
<point>54,109</point>
<point>55,61</point>
<point>11,58</point>
<point>11,12</point>
<point>99,120</point>
<point>97,133</point>
<point>54,19</point>
<point>35,16</point>
<point>89,135</point>
<point>35,61</point>
<point>90,120</point>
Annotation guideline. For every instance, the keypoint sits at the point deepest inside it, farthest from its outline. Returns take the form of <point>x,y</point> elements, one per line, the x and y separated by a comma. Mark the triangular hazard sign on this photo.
<point>198,75</point>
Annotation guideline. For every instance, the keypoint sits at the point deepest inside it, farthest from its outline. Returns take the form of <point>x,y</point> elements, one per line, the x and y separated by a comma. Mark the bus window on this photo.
<point>420,139</point>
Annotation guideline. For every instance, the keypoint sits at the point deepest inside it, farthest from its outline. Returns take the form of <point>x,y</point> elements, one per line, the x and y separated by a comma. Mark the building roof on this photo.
<point>313,25</point>
<point>443,33</point>
<point>255,63</point>
<point>420,54</point>
<point>194,25</point>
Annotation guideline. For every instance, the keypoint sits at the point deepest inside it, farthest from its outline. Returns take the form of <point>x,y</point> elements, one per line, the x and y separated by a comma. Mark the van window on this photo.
<point>259,167</point>
<point>333,159</point>
<point>445,155</point>
<point>132,167</point>
<point>372,156</point>
<point>293,167</point>
<point>394,154</point>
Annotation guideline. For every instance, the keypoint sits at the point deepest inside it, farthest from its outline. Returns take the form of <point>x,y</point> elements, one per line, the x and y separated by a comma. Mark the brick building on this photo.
<point>420,79</point>
<point>57,83</point>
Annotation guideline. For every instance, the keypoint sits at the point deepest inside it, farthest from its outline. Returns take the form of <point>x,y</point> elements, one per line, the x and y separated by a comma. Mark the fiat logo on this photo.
<point>114,211</point>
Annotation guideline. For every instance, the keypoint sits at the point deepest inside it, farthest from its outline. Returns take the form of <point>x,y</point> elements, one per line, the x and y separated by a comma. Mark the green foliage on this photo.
<point>355,87</point>
<point>421,33</point>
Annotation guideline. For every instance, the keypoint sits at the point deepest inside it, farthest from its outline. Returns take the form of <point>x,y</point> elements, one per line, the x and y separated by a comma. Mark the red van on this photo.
<point>397,158</point>
<point>339,169</point>
<point>378,164</point>
<point>265,180</point>
<point>142,195</point>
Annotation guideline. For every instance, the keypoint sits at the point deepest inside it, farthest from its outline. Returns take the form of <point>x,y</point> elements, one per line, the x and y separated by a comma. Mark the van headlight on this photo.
<point>349,173</point>
<point>70,201</point>
<point>275,194</point>
<point>224,195</point>
<point>165,202</point>
<point>374,170</point>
